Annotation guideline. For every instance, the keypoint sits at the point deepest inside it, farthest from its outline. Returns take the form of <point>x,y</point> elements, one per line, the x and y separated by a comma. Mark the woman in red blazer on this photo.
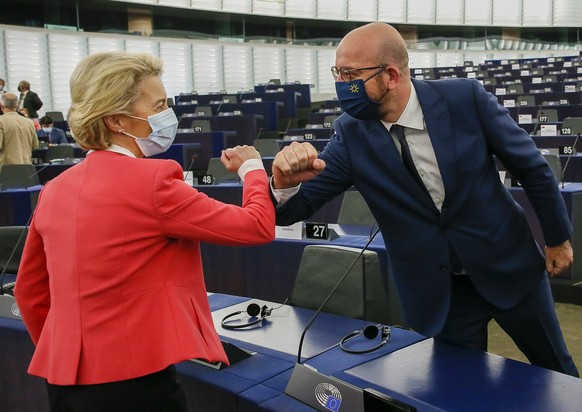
<point>110,286</point>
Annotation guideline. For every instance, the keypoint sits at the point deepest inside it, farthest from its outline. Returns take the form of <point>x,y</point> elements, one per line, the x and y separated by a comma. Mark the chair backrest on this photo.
<point>203,111</point>
<point>59,152</point>
<point>363,293</point>
<point>18,176</point>
<point>549,79</point>
<point>201,125</point>
<point>515,89</point>
<point>56,116</point>
<point>328,120</point>
<point>230,98</point>
<point>547,116</point>
<point>267,147</point>
<point>526,100</point>
<point>574,124</point>
<point>354,210</point>
<point>219,172</point>
<point>12,240</point>
<point>556,166</point>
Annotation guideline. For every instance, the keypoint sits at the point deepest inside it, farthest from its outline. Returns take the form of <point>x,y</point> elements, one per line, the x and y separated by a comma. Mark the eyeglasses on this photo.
<point>348,73</point>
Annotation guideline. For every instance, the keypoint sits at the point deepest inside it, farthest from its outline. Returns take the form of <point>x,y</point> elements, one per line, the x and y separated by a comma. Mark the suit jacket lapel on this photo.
<point>440,130</point>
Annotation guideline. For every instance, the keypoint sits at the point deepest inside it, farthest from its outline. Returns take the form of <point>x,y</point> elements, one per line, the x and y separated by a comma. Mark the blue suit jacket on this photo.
<point>479,218</point>
<point>57,136</point>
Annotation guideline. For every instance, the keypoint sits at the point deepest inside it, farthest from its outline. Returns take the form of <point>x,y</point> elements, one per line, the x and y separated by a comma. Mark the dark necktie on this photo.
<point>20,100</point>
<point>398,131</point>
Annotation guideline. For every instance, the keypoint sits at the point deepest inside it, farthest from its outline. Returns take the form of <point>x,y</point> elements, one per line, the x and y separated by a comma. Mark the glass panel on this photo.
<point>237,6</point>
<point>64,54</point>
<point>268,63</point>
<point>208,68</point>
<point>478,12</point>
<point>142,46</point>
<point>300,8</point>
<point>537,13</point>
<point>27,54</point>
<point>104,44</point>
<point>421,59</point>
<point>450,11</point>
<point>507,12</point>
<point>393,11</point>
<point>306,71</point>
<point>269,7</point>
<point>177,75</point>
<point>175,3</point>
<point>362,10</point>
<point>421,11</point>
<point>567,13</point>
<point>238,74</point>
<point>325,83</point>
<point>207,4</point>
<point>332,9</point>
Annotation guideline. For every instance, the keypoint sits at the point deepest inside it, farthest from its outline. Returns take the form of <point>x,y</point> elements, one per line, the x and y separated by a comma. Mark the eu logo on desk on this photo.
<point>328,396</point>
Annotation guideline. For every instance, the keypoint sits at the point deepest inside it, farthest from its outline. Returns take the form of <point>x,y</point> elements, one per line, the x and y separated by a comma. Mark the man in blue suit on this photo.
<point>421,153</point>
<point>50,134</point>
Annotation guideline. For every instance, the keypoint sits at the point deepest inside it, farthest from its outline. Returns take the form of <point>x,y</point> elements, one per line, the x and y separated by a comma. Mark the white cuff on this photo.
<point>248,166</point>
<point>282,195</point>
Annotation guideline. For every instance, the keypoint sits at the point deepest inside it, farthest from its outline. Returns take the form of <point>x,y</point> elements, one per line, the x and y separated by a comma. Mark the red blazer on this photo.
<point>110,285</point>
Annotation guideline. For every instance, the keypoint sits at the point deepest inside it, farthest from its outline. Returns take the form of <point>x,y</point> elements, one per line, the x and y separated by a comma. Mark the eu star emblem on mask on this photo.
<point>354,88</point>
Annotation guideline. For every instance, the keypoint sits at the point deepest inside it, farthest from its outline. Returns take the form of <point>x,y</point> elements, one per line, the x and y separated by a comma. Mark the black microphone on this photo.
<point>194,157</point>
<point>38,171</point>
<point>563,175</point>
<point>338,284</point>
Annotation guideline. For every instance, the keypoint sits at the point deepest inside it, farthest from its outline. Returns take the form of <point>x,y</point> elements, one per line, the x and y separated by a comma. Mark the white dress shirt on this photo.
<point>421,148</point>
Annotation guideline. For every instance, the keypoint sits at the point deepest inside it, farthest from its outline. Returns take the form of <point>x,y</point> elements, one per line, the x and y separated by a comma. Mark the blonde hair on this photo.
<point>105,84</point>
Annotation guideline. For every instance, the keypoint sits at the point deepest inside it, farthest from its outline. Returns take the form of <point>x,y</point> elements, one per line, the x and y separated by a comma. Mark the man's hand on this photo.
<point>559,258</point>
<point>295,164</point>
<point>234,157</point>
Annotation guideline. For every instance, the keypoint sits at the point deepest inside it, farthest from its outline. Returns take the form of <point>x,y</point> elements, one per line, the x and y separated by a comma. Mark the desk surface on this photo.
<point>411,368</point>
<point>459,379</point>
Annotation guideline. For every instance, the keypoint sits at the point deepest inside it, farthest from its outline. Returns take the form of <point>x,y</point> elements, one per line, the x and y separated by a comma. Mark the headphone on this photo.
<point>252,310</point>
<point>370,332</point>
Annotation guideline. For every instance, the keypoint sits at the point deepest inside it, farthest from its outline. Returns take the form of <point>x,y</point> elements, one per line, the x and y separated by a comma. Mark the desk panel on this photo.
<point>459,379</point>
<point>245,127</point>
<point>16,205</point>
<point>269,111</point>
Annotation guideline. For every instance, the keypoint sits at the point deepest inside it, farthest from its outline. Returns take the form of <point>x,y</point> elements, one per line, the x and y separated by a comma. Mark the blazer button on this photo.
<point>444,268</point>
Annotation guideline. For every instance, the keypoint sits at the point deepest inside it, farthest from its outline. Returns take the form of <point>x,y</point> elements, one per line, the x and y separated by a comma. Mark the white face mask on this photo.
<point>47,129</point>
<point>164,126</point>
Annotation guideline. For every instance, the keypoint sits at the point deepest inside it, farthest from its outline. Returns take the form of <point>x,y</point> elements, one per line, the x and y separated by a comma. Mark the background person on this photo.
<point>17,136</point>
<point>28,99</point>
<point>460,248</point>
<point>112,315</point>
<point>49,133</point>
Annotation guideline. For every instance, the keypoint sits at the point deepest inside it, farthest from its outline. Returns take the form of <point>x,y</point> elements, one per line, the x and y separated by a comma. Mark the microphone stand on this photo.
<point>568,159</point>
<point>328,297</point>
